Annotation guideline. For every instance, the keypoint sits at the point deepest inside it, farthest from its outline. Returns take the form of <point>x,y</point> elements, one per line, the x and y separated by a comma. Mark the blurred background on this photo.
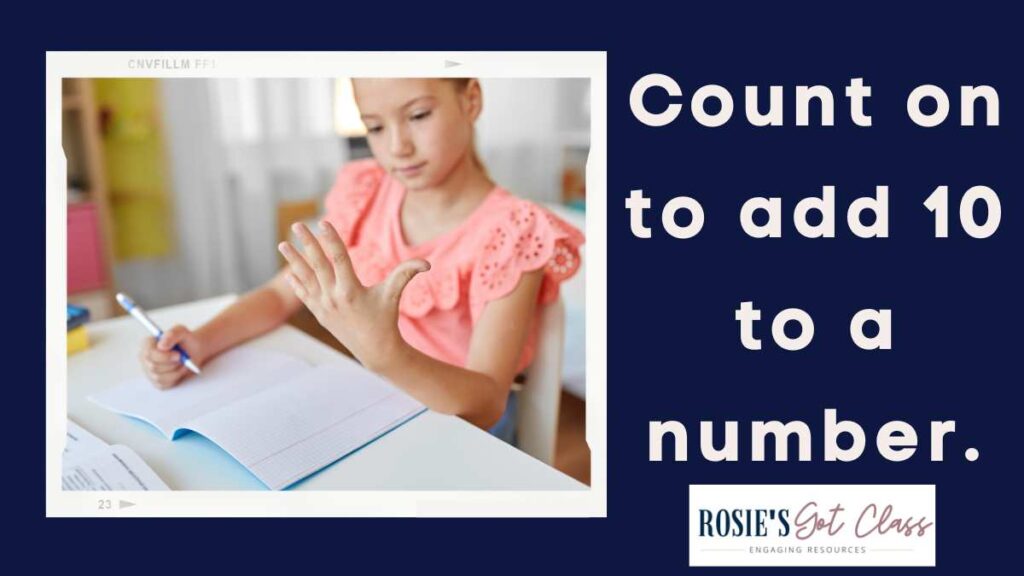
<point>180,189</point>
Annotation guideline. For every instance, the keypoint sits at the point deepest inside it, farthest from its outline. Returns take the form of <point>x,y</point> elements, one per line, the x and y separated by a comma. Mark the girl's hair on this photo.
<point>460,86</point>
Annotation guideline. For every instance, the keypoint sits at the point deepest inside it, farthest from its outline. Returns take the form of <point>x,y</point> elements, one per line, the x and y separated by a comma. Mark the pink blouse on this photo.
<point>479,261</point>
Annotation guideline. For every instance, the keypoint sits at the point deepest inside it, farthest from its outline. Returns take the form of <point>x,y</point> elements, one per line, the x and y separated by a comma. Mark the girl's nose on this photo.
<point>400,143</point>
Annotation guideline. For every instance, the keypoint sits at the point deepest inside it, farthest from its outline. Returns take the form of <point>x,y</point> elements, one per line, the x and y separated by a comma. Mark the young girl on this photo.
<point>428,272</point>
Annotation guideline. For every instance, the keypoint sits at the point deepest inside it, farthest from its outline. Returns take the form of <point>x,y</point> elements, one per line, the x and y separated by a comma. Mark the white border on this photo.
<point>588,503</point>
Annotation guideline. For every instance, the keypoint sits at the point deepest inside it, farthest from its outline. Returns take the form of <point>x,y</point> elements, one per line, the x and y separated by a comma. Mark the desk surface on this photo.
<point>430,452</point>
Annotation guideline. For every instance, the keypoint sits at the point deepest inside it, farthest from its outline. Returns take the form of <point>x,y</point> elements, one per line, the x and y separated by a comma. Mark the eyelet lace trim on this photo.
<point>528,238</point>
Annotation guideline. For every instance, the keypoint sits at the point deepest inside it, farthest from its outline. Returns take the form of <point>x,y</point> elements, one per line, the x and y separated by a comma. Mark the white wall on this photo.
<point>523,128</point>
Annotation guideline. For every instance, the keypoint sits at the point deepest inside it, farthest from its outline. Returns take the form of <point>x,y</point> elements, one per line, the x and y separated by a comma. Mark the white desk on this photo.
<point>430,452</point>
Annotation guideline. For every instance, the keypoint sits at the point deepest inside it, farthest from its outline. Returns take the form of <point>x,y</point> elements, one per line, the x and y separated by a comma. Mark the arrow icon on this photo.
<point>125,504</point>
<point>451,64</point>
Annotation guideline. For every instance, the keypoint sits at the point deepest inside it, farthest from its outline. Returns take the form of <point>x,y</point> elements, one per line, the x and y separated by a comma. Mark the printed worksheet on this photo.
<point>91,464</point>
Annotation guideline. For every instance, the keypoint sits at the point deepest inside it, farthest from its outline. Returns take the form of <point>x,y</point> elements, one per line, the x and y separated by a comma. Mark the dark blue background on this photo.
<point>674,350</point>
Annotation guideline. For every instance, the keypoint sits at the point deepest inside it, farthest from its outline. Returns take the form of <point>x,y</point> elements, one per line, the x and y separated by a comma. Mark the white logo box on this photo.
<point>849,536</point>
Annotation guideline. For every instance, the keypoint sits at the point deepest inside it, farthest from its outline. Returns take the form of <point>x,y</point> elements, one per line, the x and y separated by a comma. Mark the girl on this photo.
<point>428,272</point>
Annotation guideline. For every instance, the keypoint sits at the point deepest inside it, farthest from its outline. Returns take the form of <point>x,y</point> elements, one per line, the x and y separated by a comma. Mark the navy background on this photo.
<point>674,350</point>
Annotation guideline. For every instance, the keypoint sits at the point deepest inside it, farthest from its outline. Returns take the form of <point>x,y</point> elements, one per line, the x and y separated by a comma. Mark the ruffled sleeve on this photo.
<point>524,238</point>
<point>351,194</point>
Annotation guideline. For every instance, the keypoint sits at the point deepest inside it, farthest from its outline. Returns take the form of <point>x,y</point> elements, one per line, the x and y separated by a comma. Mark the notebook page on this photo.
<point>287,432</point>
<point>235,374</point>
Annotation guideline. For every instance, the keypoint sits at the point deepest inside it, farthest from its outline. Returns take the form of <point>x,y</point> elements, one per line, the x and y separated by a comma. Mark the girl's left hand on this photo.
<point>364,319</point>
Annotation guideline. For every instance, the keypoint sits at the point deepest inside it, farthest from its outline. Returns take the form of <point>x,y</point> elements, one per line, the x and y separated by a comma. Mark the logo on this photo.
<point>812,525</point>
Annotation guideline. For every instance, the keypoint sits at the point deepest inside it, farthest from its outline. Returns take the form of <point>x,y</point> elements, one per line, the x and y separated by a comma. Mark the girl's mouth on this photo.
<point>411,170</point>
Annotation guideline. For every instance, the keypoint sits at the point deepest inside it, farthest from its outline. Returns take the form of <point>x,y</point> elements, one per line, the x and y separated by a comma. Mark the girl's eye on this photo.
<point>421,115</point>
<point>373,129</point>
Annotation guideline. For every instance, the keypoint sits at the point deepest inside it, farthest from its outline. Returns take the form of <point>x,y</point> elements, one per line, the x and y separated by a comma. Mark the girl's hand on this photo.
<point>162,364</point>
<point>364,319</point>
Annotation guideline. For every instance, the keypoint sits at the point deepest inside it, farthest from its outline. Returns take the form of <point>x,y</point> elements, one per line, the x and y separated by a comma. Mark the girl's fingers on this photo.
<point>169,379</point>
<point>299,268</point>
<point>148,346</point>
<point>296,286</point>
<point>163,367</point>
<point>155,360</point>
<point>400,277</point>
<point>315,256</point>
<point>161,356</point>
<point>161,381</point>
<point>171,337</point>
<point>338,255</point>
<point>181,373</point>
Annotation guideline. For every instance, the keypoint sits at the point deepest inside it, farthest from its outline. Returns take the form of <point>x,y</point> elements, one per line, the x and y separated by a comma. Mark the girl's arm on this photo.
<point>479,391</point>
<point>365,321</point>
<point>255,313</point>
<point>251,315</point>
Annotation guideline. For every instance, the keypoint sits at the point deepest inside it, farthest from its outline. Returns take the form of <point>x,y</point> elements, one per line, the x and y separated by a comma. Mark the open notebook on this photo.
<point>280,417</point>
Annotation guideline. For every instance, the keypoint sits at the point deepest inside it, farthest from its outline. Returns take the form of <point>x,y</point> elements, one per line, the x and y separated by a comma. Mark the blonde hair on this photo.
<point>461,84</point>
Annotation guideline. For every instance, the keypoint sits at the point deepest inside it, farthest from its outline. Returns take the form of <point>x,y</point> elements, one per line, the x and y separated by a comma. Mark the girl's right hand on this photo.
<point>162,364</point>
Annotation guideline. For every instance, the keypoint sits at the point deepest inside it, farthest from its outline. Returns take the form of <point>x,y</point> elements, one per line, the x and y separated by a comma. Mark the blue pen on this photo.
<point>139,314</point>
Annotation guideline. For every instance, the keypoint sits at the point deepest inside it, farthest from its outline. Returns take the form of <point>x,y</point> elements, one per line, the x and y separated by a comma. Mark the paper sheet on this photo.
<point>113,468</point>
<point>79,444</point>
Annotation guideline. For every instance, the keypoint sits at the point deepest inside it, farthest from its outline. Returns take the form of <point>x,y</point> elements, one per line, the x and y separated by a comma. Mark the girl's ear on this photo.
<point>473,99</point>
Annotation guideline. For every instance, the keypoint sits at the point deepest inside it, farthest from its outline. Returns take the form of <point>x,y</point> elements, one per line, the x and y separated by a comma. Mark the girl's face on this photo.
<point>419,129</point>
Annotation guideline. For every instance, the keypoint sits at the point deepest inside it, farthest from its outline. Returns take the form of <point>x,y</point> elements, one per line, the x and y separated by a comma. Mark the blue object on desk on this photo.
<point>77,316</point>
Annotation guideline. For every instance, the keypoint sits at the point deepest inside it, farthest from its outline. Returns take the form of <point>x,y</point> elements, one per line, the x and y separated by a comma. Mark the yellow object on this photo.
<point>78,340</point>
<point>133,147</point>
